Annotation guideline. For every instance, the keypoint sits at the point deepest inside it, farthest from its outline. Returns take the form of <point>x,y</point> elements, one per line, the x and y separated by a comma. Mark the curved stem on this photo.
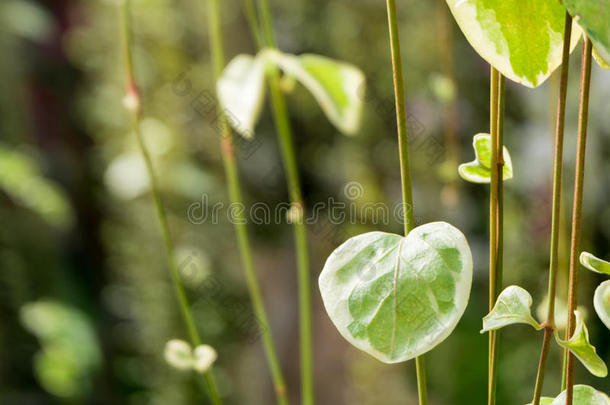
<point>403,150</point>
<point>235,195</point>
<point>132,101</point>
<point>556,209</point>
<point>286,142</point>
<point>583,117</point>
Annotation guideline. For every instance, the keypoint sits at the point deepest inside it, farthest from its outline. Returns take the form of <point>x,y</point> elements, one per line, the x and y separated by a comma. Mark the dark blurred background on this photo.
<point>85,302</point>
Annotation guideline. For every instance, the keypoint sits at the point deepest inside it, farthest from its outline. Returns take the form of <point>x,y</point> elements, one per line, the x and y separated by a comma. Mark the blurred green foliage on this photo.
<point>63,128</point>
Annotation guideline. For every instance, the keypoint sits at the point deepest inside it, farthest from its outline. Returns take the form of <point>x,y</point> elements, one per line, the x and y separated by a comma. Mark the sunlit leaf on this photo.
<point>583,395</point>
<point>603,62</point>
<point>544,401</point>
<point>513,305</point>
<point>338,87</point>
<point>241,92</point>
<point>594,263</point>
<point>204,356</point>
<point>601,302</point>
<point>523,40</point>
<point>397,297</point>
<point>593,16</point>
<point>579,345</point>
<point>479,170</point>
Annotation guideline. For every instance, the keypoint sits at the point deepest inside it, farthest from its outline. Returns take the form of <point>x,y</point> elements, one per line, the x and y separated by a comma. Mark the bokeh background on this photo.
<point>85,302</point>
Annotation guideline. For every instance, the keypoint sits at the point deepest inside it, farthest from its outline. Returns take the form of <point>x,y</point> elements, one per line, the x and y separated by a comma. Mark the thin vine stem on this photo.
<point>496,217</point>
<point>549,325</point>
<point>132,101</point>
<point>405,172</point>
<point>287,150</point>
<point>235,196</point>
<point>579,177</point>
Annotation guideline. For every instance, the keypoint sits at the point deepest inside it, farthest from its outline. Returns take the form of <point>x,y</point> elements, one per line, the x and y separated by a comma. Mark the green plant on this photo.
<point>497,37</point>
<point>132,102</point>
<point>235,195</point>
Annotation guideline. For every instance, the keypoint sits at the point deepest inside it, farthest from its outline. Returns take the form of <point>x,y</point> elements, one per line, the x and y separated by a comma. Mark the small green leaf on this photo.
<point>513,305</point>
<point>583,395</point>
<point>523,40</point>
<point>204,356</point>
<point>593,17</point>
<point>241,92</point>
<point>398,297</point>
<point>479,170</point>
<point>337,86</point>
<point>579,345</point>
<point>601,302</point>
<point>594,263</point>
<point>179,354</point>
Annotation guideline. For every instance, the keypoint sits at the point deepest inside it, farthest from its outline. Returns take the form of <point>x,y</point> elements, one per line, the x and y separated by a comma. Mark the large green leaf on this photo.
<point>522,39</point>
<point>479,170</point>
<point>594,263</point>
<point>241,92</point>
<point>593,16</point>
<point>583,395</point>
<point>514,305</point>
<point>601,302</point>
<point>579,345</point>
<point>337,86</point>
<point>398,297</point>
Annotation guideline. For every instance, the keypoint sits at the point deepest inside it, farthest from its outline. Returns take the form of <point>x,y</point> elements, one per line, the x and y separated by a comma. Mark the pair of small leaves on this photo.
<point>583,395</point>
<point>479,170</point>
<point>337,87</point>
<point>523,40</point>
<point>398,297</point>
<point>514,306</point>
<point>179,354</point>
<point>601,299</point>
<point>593,17</point>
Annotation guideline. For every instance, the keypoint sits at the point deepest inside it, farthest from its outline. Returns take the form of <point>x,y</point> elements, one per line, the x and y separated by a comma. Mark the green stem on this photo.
<point>133,103</point>
<point>583,117</point>
<point>251,16</point>
<point>405,172</point>
<point>556,209</point>
<point>286,142</point>
<point>235,196</point>
<point>496,218</point>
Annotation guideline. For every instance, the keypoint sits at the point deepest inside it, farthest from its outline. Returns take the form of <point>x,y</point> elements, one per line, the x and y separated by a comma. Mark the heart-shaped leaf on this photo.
<point>583,395</point>
<point>601,302</point>
<point>514,305</point>
<point>398,297</point>
<point>593,17</point>
<point>336,86</point>
<point>594,263</point>
<point>479,170</point>
<point>523,40</point>
<point>241,92</point>
<point>579,345</point>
